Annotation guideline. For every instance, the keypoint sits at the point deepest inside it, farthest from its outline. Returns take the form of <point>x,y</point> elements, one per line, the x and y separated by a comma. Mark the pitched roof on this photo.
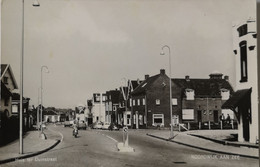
<point>135,83</point>
<point>204,87</point>
<point>114,95</point>
<point>4,69</point>
<point>142,87</point>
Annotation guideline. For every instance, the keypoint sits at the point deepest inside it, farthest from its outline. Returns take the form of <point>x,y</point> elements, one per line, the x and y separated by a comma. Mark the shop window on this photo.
<point>158,119</point>
<point>187,114</point>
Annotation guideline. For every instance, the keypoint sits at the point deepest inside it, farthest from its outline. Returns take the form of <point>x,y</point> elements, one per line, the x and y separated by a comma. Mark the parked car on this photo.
<point>97,125</point>
<point>68,123</point>
<point>105,126</point>
<point>115,127</point>
<point>82,125</point>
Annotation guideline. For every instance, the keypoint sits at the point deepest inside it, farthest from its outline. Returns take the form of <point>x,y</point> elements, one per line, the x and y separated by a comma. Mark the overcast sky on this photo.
<point>90,45</point>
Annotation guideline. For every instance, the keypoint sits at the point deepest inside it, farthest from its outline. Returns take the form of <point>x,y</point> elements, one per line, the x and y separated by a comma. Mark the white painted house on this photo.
<point>244,101</point>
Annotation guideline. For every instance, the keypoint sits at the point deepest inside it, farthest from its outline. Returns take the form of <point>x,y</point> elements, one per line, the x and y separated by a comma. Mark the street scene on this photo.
<point>129,83</point>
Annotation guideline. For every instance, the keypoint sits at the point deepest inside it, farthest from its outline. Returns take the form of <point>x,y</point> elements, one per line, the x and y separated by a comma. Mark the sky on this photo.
<point>89,46</point>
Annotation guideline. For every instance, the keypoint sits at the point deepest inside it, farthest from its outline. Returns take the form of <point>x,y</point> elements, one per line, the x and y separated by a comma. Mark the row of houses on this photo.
<point>10,106</point>
<point>145,104</point>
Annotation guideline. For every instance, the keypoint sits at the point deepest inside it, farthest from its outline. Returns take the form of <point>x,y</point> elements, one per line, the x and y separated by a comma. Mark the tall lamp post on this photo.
<point>47,71</point>
<point>35,4</point>
<point>162,53</point>
<point>125,94</point>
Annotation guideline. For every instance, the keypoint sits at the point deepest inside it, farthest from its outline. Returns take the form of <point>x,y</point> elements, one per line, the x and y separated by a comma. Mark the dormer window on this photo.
<point>157,102</point>
<point>189,94</point>
<point>225,94</point>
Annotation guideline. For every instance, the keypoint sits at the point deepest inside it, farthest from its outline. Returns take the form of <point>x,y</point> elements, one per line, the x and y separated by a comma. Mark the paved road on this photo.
<point>98,148</point>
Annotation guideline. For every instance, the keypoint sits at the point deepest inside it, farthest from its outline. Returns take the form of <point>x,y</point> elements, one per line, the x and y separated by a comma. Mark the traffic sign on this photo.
<point>125,129</point>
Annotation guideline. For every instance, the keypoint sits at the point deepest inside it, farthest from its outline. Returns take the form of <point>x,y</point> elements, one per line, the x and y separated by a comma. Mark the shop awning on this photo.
<point>236,99</point>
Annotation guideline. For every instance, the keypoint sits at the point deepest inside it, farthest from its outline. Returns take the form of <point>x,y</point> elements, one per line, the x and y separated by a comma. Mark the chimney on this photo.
<point>146,77</point>
<point>226,78</point>
<point>187,78</point>
<point>215,75</point>
<point>162,71</point>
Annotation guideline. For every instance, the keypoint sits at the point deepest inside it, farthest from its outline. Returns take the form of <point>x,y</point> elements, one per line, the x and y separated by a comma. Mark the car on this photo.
<point>97,125</point>
<point>105,126</point>
<point>82,125</point>
<point>115,127</point>
<point>68,123</point>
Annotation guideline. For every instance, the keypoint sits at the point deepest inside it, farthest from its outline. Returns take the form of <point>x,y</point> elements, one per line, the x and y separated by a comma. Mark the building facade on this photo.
<point>244,102</point>
<point>98,107</point>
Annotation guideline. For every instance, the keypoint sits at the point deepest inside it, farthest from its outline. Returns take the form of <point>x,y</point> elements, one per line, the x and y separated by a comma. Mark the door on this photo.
<point>199,116</point>
<point>215,114</point>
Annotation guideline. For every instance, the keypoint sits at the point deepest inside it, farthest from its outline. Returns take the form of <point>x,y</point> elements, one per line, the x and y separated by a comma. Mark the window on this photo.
<point>158,119</point>
<point>134,119</point>
<point>157,101</point>
<point>128,119</point>
<point>141,120</point>
<point>130,102</point>
<point>5,80</point>
<point>103,98</point>
<point>189,94</point>
<point>174,101</point>
<point>97,98</point>
<point>242,30</point>
<point>243,61</point>
<point>143,101</point>
<point>187,114</point>
<point>138,102</point>
<point>225,94</point>
<point>133,102</point>
<point>15,108</point>
<point>114,108</point>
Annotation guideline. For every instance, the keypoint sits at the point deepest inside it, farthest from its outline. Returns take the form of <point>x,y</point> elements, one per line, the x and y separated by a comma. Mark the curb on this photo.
<point>205,149</point>
<point>225,142</point>
<point>29,155</point>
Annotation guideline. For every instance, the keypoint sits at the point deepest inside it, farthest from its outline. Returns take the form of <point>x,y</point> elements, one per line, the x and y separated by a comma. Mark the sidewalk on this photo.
<point>32,145</point>
<point>186,139</point>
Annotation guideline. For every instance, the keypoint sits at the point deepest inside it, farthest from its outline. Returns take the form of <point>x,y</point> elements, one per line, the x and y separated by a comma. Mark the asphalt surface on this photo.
<point>98,148</point>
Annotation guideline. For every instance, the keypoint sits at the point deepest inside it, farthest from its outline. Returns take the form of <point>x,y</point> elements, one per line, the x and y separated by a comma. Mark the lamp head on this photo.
<point>162,53</point>
<point>36,3</point>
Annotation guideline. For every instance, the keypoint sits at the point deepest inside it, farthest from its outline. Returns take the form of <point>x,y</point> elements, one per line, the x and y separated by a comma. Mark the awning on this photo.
<point>236,99</point>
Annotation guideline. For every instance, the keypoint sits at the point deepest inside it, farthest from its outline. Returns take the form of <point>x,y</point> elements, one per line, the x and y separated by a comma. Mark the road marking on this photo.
<point>108,137</point>
<point>57,132</point>
<point>112,138</point>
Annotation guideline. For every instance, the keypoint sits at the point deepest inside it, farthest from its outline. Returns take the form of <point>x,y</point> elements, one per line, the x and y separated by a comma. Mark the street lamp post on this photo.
<point>41,95</point>
<point>38,108</point>
<point>126,95</point>
<point>162,53</point>
<point>35,4</point>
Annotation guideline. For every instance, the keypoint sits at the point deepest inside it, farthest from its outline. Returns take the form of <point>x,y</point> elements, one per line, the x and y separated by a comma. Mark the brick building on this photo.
<point>199,101</point>
<point>193,100</point>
